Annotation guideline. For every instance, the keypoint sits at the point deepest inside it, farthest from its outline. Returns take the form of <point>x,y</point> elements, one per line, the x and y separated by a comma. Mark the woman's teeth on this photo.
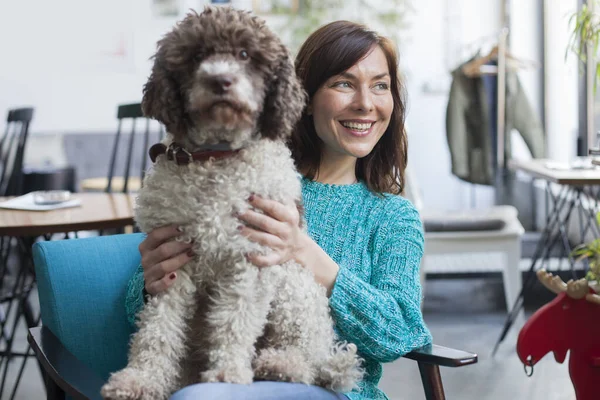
<point>357,126</point>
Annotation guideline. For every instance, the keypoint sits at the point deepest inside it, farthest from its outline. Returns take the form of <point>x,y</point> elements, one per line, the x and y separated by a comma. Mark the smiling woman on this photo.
<point>357,92</point>
<point>355,108</point>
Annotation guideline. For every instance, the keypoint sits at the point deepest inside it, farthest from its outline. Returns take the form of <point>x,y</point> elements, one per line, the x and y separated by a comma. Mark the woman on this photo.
<point>364,241</point>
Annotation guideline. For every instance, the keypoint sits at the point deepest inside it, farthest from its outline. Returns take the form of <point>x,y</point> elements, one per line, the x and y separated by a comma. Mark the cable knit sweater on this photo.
<point>378,244</point>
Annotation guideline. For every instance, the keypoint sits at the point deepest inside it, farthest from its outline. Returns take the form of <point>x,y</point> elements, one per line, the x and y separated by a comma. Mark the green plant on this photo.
<point>585,36</point>
<point>591,252</point>
<point>585,43</point>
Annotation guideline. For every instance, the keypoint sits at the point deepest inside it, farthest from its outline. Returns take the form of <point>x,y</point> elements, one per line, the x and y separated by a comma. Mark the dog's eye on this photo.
<point>198,57</point>
<point>243,55</point>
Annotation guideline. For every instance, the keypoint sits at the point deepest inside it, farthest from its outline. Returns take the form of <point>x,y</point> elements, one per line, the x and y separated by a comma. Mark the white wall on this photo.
<point>561,82</point>
<point>75,60</point>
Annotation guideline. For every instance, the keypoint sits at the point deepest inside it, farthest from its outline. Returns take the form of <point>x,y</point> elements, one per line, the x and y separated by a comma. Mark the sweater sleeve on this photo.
<point>134,299</point>
<point>383,316</point>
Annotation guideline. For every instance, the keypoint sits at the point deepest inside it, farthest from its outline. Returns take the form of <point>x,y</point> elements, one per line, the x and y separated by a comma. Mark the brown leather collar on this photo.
<point>184,157</point>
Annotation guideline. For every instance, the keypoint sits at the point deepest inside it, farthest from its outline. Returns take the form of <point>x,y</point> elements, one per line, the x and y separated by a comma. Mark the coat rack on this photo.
<point>501,92</point>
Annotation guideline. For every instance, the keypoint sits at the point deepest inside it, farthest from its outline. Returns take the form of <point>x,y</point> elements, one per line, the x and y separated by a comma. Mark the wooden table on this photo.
<point>97,211</point>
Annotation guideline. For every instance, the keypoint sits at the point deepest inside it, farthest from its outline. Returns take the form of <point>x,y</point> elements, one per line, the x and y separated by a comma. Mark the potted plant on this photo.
<point>590,252</point>
<point>585,36</point>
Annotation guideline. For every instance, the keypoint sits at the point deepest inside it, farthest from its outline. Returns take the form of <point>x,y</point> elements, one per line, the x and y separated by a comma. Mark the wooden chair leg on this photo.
<point>53,391</point>
<point>432,381</point>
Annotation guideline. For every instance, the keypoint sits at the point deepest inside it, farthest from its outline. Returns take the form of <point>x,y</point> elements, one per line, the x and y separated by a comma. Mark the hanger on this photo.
<point>479,66</point>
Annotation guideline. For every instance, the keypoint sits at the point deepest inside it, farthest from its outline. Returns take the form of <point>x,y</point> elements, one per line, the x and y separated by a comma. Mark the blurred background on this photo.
<point>74,62</point>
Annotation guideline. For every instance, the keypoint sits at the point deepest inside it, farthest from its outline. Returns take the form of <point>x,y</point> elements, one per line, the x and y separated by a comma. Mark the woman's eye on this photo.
<point>243,55</point>
<point>343,84</point>
<point>382,86</point>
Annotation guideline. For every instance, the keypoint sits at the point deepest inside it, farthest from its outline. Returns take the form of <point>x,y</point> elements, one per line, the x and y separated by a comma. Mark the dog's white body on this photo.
<point>224,319</point>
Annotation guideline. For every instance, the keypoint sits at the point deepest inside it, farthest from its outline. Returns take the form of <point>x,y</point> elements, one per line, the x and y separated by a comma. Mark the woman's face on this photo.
<point>352,110</point>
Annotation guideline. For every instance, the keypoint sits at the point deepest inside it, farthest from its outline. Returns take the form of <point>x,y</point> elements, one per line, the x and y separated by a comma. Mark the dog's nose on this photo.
<point>222,83</point>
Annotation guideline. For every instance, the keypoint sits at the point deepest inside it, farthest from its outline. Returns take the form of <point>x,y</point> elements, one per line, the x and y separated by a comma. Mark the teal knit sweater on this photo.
<point>378,244</point>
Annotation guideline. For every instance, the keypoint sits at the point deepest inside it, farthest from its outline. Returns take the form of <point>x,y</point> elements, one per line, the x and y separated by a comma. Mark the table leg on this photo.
<point>569,198</point>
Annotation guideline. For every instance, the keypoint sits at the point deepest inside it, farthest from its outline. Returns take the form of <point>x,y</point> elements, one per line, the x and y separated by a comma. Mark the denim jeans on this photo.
<point>262,390</point>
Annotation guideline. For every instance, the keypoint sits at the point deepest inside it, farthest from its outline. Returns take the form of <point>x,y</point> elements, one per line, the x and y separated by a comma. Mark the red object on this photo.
<point>566,324</point>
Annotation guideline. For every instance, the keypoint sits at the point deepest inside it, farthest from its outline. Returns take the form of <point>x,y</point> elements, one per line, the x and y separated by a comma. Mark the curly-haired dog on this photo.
<point>222,80</point>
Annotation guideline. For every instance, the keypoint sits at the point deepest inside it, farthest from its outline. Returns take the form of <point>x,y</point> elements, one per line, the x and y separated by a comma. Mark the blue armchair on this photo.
<point>85,334</point>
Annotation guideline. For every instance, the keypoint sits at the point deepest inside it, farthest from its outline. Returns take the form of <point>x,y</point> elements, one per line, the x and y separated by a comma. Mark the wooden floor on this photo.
<point>464,314</point>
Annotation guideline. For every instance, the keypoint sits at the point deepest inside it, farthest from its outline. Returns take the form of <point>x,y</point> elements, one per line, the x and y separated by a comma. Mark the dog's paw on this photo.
<point>342,370</point>
<point>283,365</point>
<point>231,374</point>
<point>129,384</point>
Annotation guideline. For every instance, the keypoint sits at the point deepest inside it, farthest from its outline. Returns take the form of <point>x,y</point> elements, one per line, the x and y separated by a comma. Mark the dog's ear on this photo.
<point>162,99</point>
<point>284,102</point>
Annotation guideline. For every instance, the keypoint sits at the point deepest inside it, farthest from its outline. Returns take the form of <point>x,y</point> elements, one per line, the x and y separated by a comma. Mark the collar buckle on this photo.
<point>179,154</point>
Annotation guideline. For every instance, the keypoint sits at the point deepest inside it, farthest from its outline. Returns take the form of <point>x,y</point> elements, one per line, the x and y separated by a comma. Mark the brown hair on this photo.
<point>199,36</point>
<point>329,51</point>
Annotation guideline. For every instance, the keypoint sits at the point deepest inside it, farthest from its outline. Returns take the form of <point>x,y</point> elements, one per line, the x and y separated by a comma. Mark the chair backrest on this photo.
<point>12,150</point>
<point>134,113</point>
<point>82,284</point>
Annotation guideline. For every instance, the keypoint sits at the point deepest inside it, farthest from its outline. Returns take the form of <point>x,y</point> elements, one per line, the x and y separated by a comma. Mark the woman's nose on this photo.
<point>363,100</point>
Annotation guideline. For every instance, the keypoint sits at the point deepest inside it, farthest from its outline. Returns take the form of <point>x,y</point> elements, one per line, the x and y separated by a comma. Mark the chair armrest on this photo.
<point>62,368</point>
<point>430,358</point>
<point>442,356</point>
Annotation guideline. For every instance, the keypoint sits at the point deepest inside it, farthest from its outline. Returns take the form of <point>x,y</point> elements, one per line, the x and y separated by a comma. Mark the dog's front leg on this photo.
<point>235,319</point>
<point>157,349</point>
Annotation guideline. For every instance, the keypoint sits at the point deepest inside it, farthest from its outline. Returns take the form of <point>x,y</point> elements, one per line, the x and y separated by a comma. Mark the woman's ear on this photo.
<point>309,109</point>
<point>283,103</point>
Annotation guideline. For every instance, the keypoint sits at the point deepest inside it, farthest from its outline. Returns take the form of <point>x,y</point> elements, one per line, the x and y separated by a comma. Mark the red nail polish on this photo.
<point>190,253</point>
<point>172,276</point>
<point>251,197</point>
<point>239,228</point>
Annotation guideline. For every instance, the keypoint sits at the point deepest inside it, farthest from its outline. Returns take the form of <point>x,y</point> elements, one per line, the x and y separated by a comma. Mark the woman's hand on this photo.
<point>162,256</point>
<point>278,228</point>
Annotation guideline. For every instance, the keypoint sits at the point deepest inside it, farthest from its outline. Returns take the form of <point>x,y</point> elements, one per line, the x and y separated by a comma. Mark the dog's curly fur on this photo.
<point>225,320</point>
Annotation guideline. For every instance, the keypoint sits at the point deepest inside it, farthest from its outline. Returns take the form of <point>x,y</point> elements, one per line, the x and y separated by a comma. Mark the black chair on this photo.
<point>16,276</point>
<point>12,150</point>
<point>127,182</point>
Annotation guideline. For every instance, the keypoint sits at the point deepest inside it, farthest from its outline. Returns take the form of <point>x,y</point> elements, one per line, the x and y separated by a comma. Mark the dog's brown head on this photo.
<point>223,75</point>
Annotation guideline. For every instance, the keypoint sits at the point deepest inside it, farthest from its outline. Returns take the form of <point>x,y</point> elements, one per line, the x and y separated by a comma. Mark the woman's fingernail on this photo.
<point>172,276</point>
<point>251,197</point>
<point>190,253</point>
<point>239,228</point>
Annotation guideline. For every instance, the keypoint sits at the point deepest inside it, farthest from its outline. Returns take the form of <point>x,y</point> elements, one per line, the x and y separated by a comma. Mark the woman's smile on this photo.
<point>358,127</point>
